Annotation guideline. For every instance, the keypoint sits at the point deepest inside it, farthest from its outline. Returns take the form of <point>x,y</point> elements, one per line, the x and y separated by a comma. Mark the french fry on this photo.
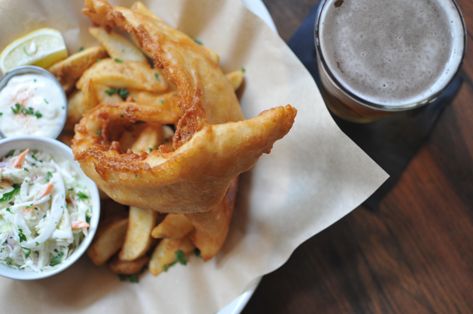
<point>211,228</point>
<point>174,226</point>
<point>138,234</point>
<point>141,221</point>
<point>128,267</point>
<point>149,139</point>
<point>236,78</point>
<point>68,71</point>
<point>124,74</point>
<point>166,104</point>
<point>75,109</point>
<point>108,240</point>
<point>117,46</point>
<point>164,255</point>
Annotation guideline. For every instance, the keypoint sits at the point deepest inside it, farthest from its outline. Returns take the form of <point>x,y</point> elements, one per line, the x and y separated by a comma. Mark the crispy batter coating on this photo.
<point>205,95</point>
<point>190,179</point>
<point>211,146</point>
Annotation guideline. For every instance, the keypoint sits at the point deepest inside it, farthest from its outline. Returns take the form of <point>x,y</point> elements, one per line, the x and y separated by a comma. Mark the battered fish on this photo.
<point>210,146</point>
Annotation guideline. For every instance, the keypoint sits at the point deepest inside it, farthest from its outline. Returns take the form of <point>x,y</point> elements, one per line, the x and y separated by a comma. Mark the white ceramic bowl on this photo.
<point>60,152</point>
<point>31,69</point>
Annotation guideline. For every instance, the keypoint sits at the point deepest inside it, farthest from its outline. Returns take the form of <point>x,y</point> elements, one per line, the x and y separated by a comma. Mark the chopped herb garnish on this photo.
<point>243,69</point>
<point>49,175</point>
<point>45,100</point>
<point>33,155</point>
<point>21,235</point>
<point>181,257</point>
<point>1,114</point>
<point>156,76</point>
<point>166,267</point>
<point>82,196</point>
<point>56,259</point>
<point>8,209</point>
<point>81,49</point>
<point>9,261</point>
<point>26,251</point>
<point>111,91</point>
<point>150,149</point>
<point>9,195</point>
<point>36,243</point>
<point>118,60</point>
<point>10,153</point>
<point>98,133</point>
<point>198,41</point>
<point>162,101</point>
<point>88,216</point>
<point>129,278</point>
<point>122,92</point>
<point>19,109</point>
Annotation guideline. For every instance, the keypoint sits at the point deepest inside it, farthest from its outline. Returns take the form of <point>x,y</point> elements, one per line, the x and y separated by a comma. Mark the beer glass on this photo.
<point>378,57</point>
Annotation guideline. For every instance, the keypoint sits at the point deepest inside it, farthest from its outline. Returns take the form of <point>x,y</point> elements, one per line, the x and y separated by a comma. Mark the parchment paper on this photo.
<point>312,178</point>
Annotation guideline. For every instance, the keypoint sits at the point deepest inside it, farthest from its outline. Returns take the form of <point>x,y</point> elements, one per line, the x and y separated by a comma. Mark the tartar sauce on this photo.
<point>45,210</point>
<point>31,104</point>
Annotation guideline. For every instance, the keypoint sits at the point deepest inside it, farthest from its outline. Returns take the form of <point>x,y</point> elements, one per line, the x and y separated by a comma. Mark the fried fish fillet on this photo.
<point>211,145</point>
<point>190,179</point>
<point>206,96</point>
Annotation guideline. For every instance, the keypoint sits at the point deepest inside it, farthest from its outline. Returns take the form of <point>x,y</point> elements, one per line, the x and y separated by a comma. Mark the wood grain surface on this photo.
<point>413,255</point>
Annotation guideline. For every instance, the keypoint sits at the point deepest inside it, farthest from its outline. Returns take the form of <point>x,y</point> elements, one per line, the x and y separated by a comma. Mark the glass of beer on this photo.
<point>377,57</point>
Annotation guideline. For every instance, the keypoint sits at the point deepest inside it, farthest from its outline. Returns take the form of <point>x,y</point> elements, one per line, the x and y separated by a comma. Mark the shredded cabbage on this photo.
<point>45,210</point>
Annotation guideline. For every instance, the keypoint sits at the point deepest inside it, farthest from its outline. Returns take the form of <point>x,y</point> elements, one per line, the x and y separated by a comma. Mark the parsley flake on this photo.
<point>56,259</point>
<point>118,60</point>
<point>166,267</point>
<point>10,153</point>
<point>122,92</point>
<point>19,109</point>
<point>21,235</point>
<point>8,196</point>
<point>129,278</point>
<point>49,175</point>
<point>82,196</point>
<point>156,76</point>
<point>181,257</point>
<point>26,251</point>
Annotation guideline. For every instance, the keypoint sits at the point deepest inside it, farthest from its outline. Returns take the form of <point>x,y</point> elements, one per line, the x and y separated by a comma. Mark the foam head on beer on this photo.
<point>392,53</point>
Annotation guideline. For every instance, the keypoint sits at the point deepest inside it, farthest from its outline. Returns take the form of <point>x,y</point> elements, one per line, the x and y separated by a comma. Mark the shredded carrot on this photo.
<point>47,190</point>
<point>21,159</point>
<point>79,225</point>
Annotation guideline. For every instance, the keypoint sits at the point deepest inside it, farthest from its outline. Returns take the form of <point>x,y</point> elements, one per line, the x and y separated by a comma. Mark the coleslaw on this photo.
<point>45,210</point>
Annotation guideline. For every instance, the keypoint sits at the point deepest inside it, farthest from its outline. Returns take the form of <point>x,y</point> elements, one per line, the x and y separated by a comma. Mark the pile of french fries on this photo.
<point>116,70</point>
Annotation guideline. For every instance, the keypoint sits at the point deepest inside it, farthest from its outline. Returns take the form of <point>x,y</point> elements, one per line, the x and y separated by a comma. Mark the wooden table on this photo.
<point>413,255</point>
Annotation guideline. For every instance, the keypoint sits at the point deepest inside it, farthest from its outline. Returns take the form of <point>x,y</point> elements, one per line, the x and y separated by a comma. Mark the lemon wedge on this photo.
<point>42,47</point>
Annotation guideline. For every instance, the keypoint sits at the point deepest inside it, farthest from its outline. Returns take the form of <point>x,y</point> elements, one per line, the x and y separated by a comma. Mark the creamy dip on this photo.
<point>32,104</point>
